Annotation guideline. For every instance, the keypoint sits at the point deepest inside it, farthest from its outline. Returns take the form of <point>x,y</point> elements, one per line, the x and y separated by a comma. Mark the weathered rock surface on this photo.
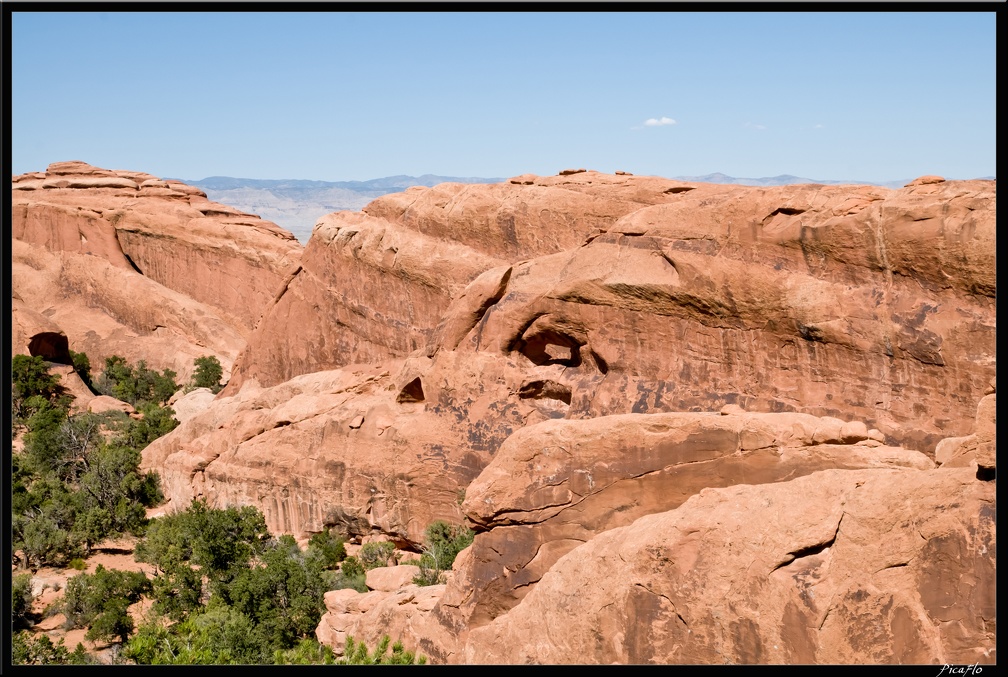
<point>367,290</point>
<point>689,308</point>
<point>187,405</point>
<point>390,579</point>
<point>330,448</point>
<point>978,450</point>
<point>84,303</point>
<point>103,403</point>
<point>852,302</point>
<point>374,285</point>
<point>555,485</point>
<point>360,615</point>
<point>841,566</point>
<point>167,231</point>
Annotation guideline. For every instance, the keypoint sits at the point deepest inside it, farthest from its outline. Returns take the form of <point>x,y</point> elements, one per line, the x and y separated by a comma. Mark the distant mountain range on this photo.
<point>783,180</point>
<point>297,204</point>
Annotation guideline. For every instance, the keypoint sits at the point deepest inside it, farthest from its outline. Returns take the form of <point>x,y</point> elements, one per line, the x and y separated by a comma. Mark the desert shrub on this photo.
<point>237,595</point>
<point>351,575</point>
<point>99,600</point>
<point>351,567</point>
<point>208,373</point>
<point>328,547</point>
<point>356,653</point>
<point>82,365</point>
<point>30,378</point>
<point>156,421</point>
<point>137,385</point>
<point>43,442</point>
<point>442,543</point>
<point>77,564</point>
<point>177,591</point>
<point>21,600</point>
<point>376,554</point>
<point>306,652</point>
<point>282,595</point>
<point>40,650</point>
<point>44,536</point>
<point>217,636</point>
<point>113,622</point>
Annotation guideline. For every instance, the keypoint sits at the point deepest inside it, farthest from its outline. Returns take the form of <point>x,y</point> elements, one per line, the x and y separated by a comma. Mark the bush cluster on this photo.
<point>99,601</point>
<point>40,650</point>
<point>442,543</point>
<point>236,594</point>
<point>137,385</point>
<point>377,554</point>
<point>356,653</point>
<point>77,480</point>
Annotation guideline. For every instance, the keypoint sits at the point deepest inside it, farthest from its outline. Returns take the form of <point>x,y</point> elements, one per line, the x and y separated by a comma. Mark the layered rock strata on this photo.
<point>373,285</point>
<point>165,230</point>
<point>845,301</point>
<point>69,301</point>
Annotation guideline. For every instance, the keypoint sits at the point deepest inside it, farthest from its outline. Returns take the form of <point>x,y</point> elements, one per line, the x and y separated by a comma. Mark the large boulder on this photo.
<point>841,566</point>
<point>555,485</point>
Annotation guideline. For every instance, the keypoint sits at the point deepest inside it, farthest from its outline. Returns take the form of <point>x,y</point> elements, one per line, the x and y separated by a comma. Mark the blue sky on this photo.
<point>344,96</point>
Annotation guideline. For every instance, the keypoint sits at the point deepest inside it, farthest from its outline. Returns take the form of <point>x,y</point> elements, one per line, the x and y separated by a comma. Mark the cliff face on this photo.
<point>165,230</point>
<point>647,295</point>
<point>632,388</point>
<point>373,285</point>
<point>125,263</point>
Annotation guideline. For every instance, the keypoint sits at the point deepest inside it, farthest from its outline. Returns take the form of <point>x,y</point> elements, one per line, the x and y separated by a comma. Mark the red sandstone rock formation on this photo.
<point>166,230</point>
<point>126,263</point>
<point>101,309</point>
<point>854,325</point>
<point>852,302</point>
<point>373,285</point>
<point>555,485</point>
<point>841,566</point>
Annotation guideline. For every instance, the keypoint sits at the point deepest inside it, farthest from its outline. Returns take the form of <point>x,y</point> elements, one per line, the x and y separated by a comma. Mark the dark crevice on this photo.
<point>678,189</point>
<point>786,211</point>
<point>411,392</point>
<point>808,551</point>
<point>550,347</point>
<point>985,474</point>
<point>545,390</point>
<point>517,340</point>
<point>810,333</point>
<point>131,262</point>
<point>669,260</point>
<point>51,345</point>
<point>602,365</point>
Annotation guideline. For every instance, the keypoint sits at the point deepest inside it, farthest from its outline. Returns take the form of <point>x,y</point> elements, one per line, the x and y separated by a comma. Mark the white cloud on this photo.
<point>818,126</point>
<point>659,122</point>
<point>752,126</point>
